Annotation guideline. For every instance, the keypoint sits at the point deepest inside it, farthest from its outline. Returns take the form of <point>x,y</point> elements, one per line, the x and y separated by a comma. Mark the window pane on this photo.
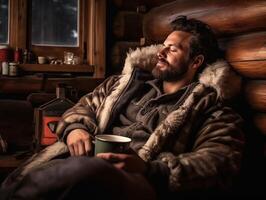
<point>55,22</point>
<point>3,21</point>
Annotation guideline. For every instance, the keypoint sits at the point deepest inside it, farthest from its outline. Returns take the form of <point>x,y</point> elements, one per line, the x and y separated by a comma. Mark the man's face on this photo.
<point>173,60</point>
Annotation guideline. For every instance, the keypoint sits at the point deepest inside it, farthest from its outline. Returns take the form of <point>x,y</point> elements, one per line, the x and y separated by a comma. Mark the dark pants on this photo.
<point>85,177</point>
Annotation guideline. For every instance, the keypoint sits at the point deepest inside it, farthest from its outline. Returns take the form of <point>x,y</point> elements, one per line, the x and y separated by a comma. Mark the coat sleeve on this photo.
<point>83,114</point>
<point>215,158</point>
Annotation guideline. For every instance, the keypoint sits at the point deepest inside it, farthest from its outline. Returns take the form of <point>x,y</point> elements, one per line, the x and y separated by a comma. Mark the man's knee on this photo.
<point>58,176</point>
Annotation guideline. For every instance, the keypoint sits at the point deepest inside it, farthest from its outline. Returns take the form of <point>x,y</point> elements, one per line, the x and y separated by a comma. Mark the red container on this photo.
<point>47,117</point>
<point>48,137</point>
<point>4,54</point>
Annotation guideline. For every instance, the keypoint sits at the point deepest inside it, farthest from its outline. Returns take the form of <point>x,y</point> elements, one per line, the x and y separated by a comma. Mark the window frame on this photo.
<point>8,25</point>
<point>92,27</point>
<point>46,50</point>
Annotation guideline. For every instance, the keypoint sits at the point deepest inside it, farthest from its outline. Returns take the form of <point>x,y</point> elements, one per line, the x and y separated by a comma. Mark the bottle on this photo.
<point>48,115</point>
<point>18,55</point>
<point>5,68</point>
<point>25,56</point>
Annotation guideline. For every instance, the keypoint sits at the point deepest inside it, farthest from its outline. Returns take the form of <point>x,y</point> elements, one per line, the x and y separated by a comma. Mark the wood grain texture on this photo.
<point>119,53</point>
<point>127,4</point>
<point>133,4</point>
<point>255,92</point>
<point>29,84</point>
<point>260,122</point>
<point>226,17</point>
<point>56,68</point>
<point>246,47</point>
<point>255,69</point>
<point>98,40</point>
<point>128,26</point>
<point>18,23</point>
<point>247,53</point>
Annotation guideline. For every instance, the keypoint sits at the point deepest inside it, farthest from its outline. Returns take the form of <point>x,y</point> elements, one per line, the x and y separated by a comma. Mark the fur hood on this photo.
<point>218,75</point>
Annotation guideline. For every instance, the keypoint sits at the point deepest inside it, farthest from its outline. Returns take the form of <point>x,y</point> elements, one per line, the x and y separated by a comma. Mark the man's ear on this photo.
<point>198,60</point>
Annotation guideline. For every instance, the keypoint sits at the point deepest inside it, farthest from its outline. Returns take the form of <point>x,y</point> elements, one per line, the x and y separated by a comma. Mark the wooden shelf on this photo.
<point>33,83</point>
<point>57,68</point>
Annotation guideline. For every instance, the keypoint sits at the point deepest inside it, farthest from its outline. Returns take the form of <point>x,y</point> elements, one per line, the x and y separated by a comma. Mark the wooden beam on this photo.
<point>226,17</point>
<point>56,68</point>
<point>255,92</point>
<point>30,84</point>
<point>18,23</point>
<point>246,47</point>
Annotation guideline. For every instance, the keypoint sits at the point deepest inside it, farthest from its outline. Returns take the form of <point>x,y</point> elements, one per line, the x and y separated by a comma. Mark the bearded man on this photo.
<point>185,137</point>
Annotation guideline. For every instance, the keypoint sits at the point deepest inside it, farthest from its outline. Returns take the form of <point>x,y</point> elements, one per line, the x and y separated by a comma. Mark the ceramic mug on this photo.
<point>42,60</point>
<point>111,143</point>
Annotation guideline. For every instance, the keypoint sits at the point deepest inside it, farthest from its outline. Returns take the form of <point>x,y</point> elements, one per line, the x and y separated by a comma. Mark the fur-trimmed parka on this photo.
<point>200,143</point>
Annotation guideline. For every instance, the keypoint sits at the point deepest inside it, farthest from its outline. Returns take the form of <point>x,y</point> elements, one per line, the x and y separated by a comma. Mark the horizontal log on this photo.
<point>20,85</point>
<point>154,3</point>
<point>128,26</point>
<point>246,47</point>
<point>260,122</point>
<point>127,4</point>
<point>226,17</point>
<point>255,69</point>
<point>119,53</point>
<point>255,92</point>
<point>133,4</point>
<point>30,84</point>
<point>82,84</point>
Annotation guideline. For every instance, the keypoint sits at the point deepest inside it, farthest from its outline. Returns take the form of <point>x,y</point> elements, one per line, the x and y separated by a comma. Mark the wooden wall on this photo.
<point>241,28</point>
<point>127,29</point>
<point>239,24</point>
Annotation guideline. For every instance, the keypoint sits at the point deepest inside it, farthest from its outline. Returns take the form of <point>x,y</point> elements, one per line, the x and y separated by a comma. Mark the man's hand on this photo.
<point>128,162</point>
<point>79,142</point>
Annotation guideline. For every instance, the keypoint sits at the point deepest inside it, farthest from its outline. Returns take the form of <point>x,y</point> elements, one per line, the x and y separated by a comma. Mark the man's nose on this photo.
<point>162,53</point>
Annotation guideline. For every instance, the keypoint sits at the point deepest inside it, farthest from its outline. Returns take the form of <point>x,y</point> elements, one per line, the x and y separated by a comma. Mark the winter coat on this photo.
<point>199,142</point>
<point>199,145</point>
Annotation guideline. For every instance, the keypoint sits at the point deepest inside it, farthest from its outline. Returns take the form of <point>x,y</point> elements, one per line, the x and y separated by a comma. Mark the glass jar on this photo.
<point>5,68</point>
<point>13,69</point>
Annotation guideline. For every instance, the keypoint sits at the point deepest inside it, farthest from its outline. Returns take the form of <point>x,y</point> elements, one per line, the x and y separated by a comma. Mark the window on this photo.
<point>55,28</point>
<point>55,23</point>
<point>51,27</point>
<point>4,21</point>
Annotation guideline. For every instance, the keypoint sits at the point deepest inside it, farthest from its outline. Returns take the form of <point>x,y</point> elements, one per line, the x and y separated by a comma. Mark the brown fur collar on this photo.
<point>219,75</point>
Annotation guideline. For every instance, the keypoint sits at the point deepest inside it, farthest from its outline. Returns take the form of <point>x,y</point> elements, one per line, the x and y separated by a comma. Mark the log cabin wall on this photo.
<point>241,30</point>
<point>126,30</point>
<point>240,27</point>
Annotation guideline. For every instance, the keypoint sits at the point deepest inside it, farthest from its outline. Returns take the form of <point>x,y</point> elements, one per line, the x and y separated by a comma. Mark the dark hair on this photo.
<point>203,41</point>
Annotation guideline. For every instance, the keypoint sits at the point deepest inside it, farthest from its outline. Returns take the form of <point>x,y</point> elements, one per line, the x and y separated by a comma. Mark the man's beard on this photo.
<point>171,73</point>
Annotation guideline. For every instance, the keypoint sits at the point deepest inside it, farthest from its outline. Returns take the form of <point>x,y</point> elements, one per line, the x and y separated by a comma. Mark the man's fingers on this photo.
<point>117,160</point>
<point>112,157</point>
<point>71,150</point>
<point>76,149</point>
<point>81,148</point>
<point>107,156</point>
<point>88,146</point>
<point>119,165</point>
<point>77,142</point>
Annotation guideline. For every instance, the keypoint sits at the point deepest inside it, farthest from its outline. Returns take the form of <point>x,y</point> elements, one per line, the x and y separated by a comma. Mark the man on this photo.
<point>184,138</point>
